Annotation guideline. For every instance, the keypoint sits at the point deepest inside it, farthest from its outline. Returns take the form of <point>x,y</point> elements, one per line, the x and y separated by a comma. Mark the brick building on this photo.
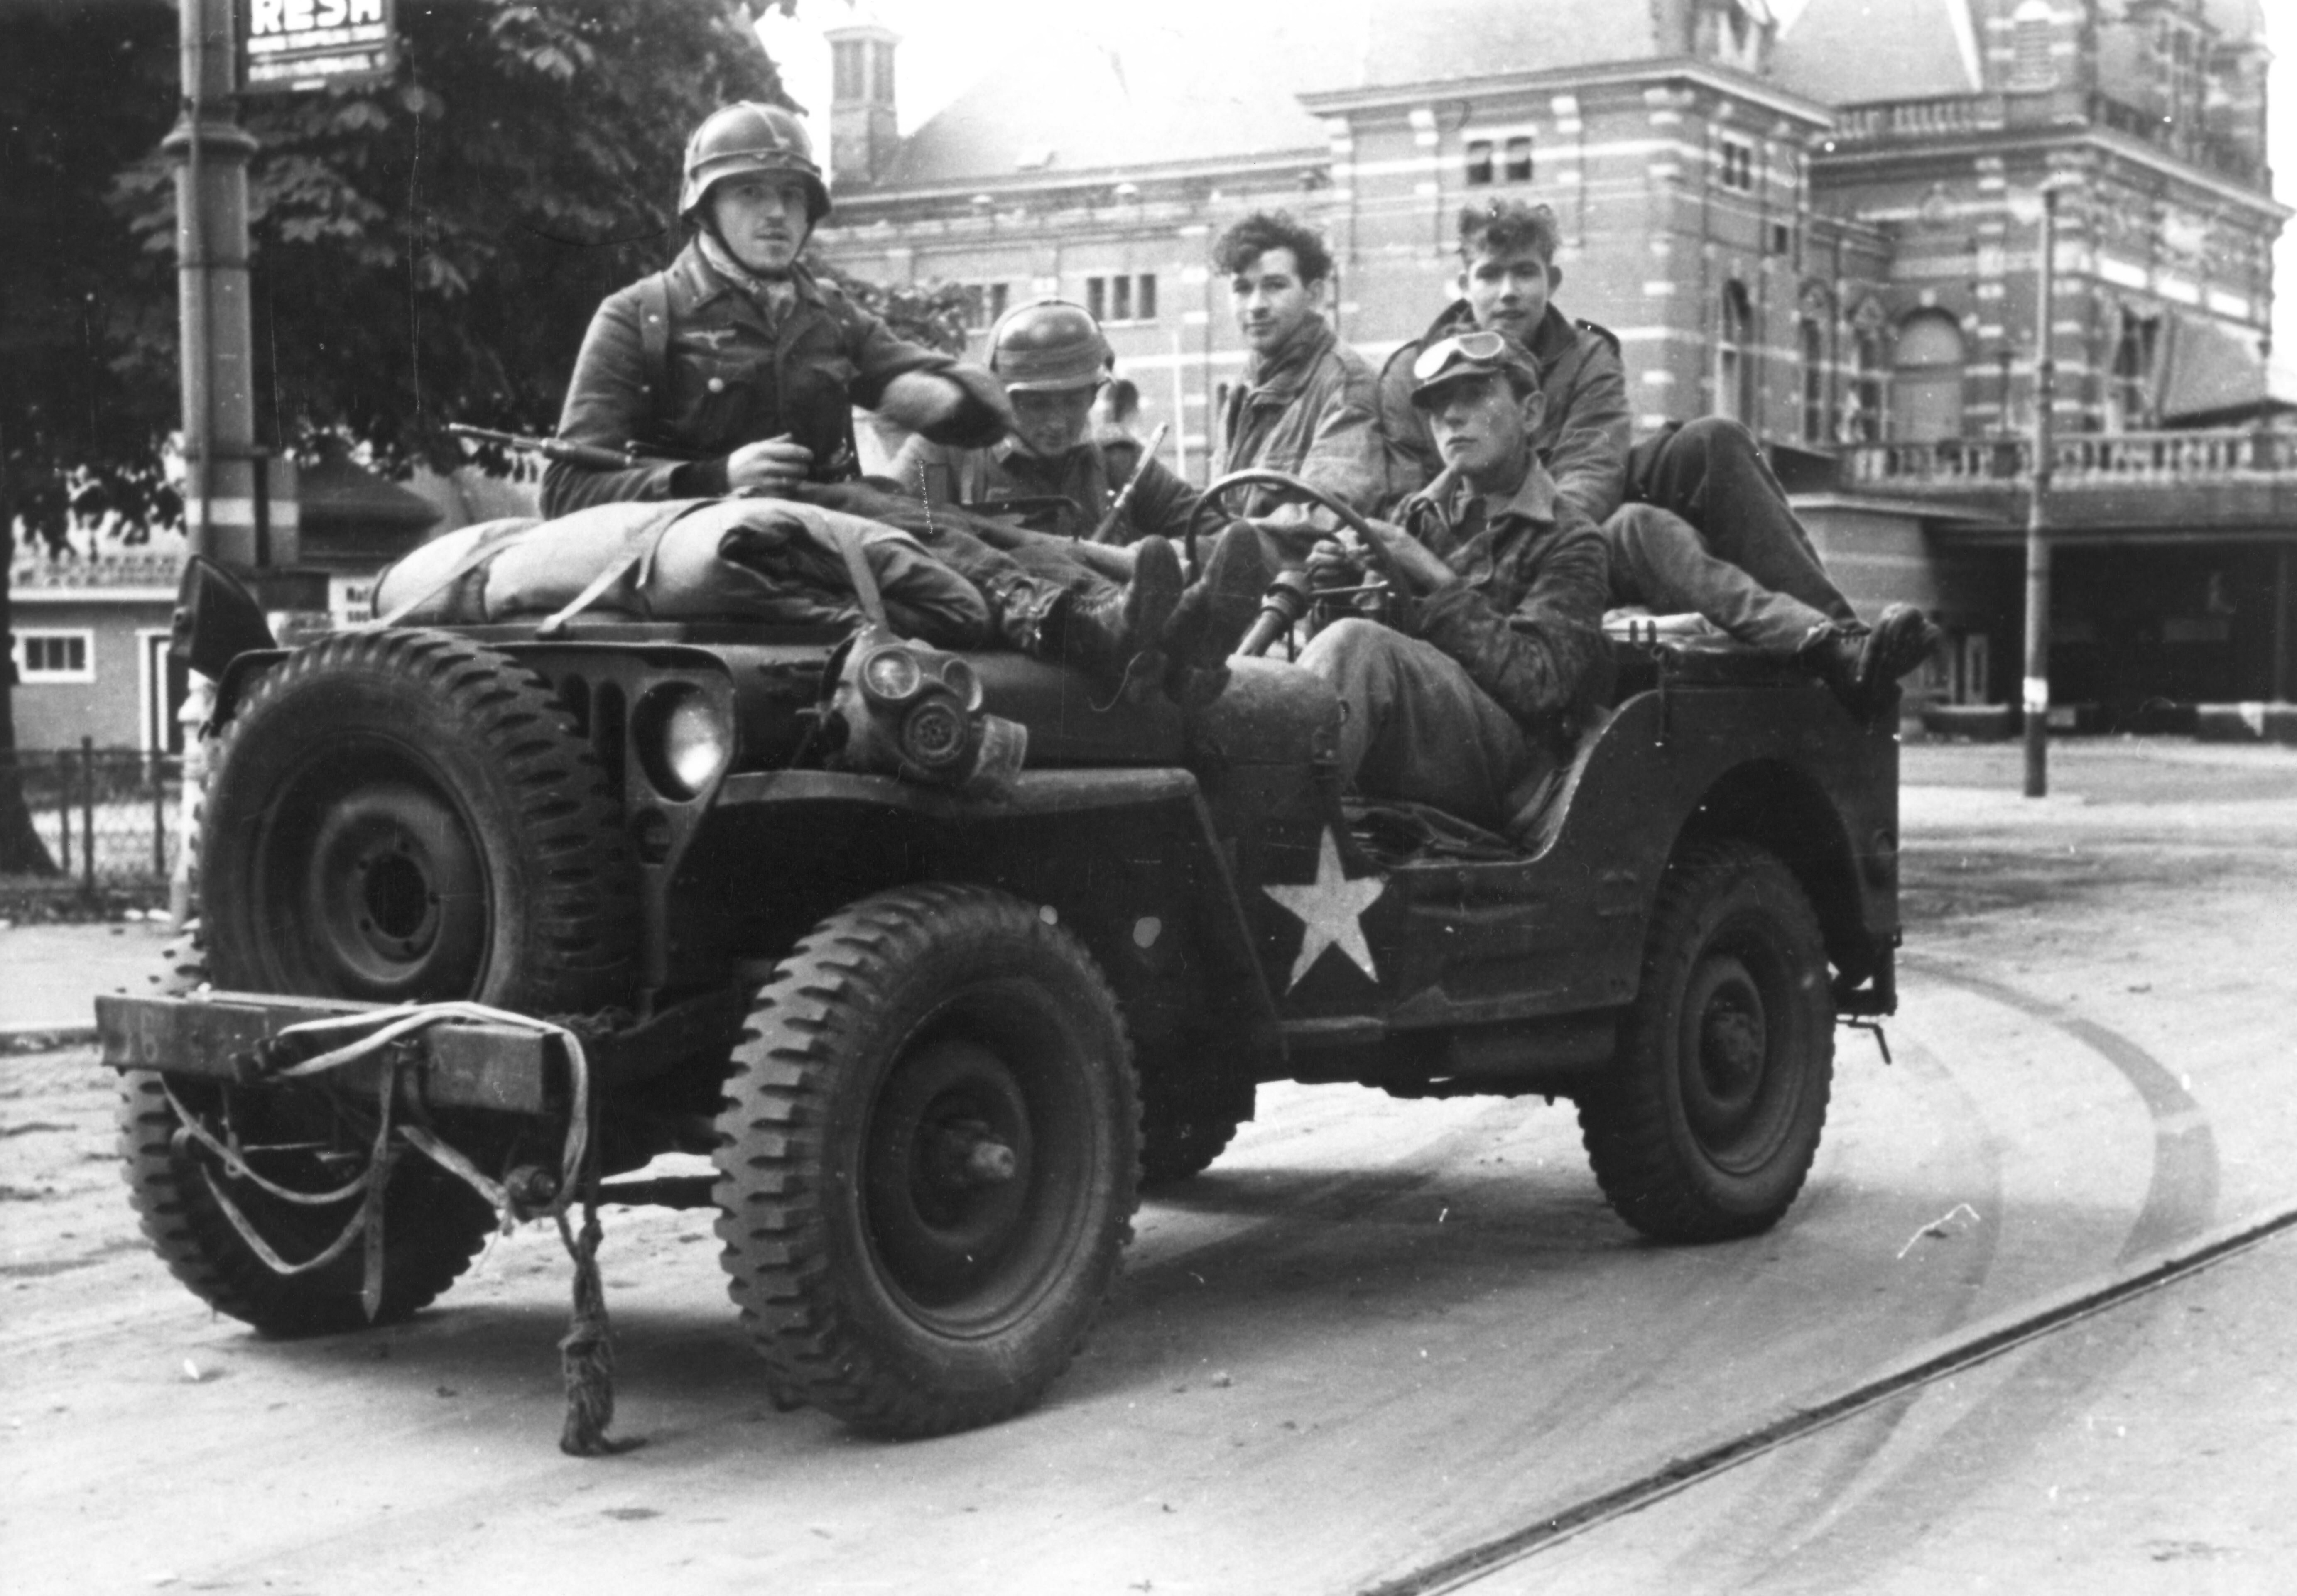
<point>1828,230</point>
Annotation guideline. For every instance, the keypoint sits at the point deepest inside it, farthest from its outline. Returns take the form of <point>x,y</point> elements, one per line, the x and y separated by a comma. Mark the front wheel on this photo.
<point>1708,1122</point>
<point>927,1160</point>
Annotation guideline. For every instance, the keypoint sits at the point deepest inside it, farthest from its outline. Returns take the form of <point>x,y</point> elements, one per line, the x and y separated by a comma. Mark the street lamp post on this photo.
<point>2037,694</point>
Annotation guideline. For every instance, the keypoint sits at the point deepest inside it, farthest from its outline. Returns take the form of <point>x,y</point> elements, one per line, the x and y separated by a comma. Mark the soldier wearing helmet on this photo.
<point>735,366</point>
<point>1052,360</point>
<point>740,372</point>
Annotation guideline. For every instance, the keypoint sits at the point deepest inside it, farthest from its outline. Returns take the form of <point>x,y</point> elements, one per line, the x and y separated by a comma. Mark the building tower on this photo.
<point>864,132</point>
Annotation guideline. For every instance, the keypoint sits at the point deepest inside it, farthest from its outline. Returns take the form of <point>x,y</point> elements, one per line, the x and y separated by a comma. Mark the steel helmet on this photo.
<point>746,136</point>
<point>1046,346</point>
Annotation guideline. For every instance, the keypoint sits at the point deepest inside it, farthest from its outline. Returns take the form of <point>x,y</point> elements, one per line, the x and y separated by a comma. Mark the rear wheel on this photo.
<point>1707,1124</point>
<point>927,1160</point>
<point>1177,1138</point>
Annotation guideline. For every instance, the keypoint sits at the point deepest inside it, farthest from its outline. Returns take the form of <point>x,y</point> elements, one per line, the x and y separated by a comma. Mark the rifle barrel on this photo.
<point>592,455</point>
<point>1124,494</point>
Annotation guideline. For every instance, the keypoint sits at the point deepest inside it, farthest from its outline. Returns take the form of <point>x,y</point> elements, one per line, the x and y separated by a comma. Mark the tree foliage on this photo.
<point>86,91</point>
<point>430,250</point>
<point>931,313</point>
<point>425,251</point>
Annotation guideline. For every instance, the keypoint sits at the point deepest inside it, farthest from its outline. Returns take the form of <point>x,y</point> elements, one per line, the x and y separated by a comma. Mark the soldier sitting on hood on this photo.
<point>736,370</point>
<point>1694,519</point>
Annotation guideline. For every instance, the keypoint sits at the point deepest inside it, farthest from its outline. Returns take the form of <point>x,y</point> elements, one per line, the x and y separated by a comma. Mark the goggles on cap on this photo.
<point>1479,348</point>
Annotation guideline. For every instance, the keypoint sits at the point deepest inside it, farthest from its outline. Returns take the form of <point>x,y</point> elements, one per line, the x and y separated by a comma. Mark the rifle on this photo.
<point>1124,494</point>
<point>557,449</point>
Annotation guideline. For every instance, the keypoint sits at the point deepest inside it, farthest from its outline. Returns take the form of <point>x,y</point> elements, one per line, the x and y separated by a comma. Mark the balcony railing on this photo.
<point>1955,115</point>
<point>1919,118</point>
<point>2079,460</point>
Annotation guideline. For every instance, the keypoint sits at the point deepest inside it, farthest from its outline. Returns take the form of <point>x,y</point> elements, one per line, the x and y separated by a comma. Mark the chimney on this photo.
<point>863,132</point>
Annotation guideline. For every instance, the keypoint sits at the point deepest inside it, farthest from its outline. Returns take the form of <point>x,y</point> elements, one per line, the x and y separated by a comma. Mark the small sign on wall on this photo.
<point>288,45</point>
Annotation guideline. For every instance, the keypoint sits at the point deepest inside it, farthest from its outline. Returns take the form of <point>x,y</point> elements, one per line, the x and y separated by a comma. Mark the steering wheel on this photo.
<point>1258,477</point>
<point>1290,597</point>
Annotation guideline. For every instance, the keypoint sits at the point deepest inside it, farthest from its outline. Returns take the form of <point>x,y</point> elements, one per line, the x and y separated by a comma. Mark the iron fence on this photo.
<point>108,820</point>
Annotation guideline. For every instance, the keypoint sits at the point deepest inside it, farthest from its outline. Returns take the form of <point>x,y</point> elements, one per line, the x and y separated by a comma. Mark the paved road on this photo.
<point>1375,1334</point>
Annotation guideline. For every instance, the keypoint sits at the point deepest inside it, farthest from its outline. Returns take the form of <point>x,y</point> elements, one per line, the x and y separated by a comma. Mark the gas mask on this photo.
<point>913,711</point>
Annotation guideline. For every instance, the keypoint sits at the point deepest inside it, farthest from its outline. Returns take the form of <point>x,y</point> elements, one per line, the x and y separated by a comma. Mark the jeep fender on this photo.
<point>1127,859</point>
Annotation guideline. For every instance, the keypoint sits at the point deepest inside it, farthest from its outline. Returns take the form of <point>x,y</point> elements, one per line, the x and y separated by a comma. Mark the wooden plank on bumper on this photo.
<point>464,1064</point>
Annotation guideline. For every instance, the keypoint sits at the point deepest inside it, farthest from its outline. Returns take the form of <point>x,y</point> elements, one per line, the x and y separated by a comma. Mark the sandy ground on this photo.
<point>1376,1334</point>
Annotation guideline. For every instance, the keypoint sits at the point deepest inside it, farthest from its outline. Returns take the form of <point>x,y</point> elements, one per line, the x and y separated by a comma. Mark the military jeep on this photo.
<point>585,895</point>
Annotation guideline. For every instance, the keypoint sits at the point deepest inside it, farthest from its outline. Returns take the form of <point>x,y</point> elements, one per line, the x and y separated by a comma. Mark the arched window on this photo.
<point>1810,340</point>
<point>2130,392</point>
<point>1926,381</point>
<point>1862,409</point>
<point>1735,362</point>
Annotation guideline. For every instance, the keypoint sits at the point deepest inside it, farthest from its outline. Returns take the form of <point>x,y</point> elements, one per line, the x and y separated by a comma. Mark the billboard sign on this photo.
<point>287,45</point>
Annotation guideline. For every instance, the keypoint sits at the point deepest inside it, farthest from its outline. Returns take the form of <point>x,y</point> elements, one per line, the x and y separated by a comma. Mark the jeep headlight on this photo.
<point>684,740</point>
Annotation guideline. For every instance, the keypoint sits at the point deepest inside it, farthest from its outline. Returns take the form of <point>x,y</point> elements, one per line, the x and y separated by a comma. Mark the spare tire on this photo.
<point>407,816</point>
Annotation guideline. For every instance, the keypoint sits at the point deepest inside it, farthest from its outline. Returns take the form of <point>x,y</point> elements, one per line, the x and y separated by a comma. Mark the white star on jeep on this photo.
<point>1330,909</point>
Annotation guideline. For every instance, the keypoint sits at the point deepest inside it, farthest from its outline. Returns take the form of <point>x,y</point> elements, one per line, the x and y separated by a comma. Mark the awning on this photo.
<point>2209,374</point>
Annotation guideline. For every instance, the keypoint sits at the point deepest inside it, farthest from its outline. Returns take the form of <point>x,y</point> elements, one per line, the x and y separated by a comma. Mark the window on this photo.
<point>862,69</point>
<point>1926,385</point>
<point>1810,339</point>
<point>1734,366</point>
<point>1502,158</point>
<point>881,61</point>
<point>1862,418</point>
<point>54,657</point>
<point>2130,392</point>
<point>983,302</point>
<point>1738,165</point>
<point>1121,299</point>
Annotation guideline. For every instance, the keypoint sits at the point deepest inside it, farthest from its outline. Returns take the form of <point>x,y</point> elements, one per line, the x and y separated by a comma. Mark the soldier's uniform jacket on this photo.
<point>1584,432</point>
<point>1089,476</point>
<point>693,366</point>
<point>1526,618</point>
<point>1312,410</point>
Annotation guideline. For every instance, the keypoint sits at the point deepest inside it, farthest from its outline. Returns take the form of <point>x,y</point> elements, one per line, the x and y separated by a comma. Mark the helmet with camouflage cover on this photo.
<point>1046,346</point>
<point>747,137</point>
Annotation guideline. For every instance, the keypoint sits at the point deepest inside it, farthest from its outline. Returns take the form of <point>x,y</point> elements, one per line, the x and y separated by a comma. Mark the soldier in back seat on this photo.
<point>1694,518</point>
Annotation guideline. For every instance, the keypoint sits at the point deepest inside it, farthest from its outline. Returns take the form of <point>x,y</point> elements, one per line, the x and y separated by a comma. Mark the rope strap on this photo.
<point>586,1353</point>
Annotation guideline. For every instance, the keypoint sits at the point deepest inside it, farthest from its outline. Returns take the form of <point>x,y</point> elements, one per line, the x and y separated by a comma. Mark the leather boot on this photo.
<point>1214,613</point>
<point>1901,640</point>
<point>1111,633</point>
<point>1862,666</point>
